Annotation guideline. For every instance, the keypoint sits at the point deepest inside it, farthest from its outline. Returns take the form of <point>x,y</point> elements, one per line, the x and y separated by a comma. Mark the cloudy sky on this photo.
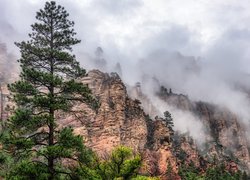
<point>125,27</point>
<point>197,47</point>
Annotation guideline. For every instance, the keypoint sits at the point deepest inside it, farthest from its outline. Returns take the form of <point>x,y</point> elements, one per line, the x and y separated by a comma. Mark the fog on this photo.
<point>197,48</point>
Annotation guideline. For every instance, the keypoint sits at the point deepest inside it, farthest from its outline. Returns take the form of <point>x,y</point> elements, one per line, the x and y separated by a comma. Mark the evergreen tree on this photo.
<point>169,123</point>
<point>168,119</point>
<point>121,164</point>
<point>47,86</point>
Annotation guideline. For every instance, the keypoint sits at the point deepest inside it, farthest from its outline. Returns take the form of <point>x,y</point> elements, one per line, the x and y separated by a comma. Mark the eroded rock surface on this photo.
<point>121,120</point>
<point>225,139</point>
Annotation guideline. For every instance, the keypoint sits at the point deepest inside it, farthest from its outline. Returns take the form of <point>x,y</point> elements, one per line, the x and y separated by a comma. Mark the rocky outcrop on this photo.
<point>229,139</point>
<point>225,136</point>
<point>159,144</point>
<point>120,120</point>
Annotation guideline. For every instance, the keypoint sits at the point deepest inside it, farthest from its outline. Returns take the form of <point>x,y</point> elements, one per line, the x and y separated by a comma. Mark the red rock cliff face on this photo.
<point>120,121</point>
<point>229,138</point>
<point>226,137</point>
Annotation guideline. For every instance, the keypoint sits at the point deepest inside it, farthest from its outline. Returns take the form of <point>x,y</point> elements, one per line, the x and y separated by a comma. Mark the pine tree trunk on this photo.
<point>52,112</point>
<point>51,131</point>
<point>51,142</point>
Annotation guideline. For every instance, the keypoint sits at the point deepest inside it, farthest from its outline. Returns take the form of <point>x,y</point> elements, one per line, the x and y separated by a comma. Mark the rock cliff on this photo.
<point>121,120</point>
<point>225,139</point>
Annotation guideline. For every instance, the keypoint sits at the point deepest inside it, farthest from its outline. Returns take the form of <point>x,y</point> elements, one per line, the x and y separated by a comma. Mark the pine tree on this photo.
<point>47,86</point>
<point>169,120</point>
<point>169,123</point>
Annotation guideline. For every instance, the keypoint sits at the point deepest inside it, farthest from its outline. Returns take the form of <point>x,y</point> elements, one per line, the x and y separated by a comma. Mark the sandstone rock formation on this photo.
<point>226,139</point>
<point>121,120</point>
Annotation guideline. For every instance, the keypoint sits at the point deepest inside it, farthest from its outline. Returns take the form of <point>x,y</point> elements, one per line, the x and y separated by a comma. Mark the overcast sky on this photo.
<point>125,27</point>
<point>215,31</point>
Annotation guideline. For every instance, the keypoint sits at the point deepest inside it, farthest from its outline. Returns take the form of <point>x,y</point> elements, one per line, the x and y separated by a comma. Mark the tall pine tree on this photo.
<point>47,86</point>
